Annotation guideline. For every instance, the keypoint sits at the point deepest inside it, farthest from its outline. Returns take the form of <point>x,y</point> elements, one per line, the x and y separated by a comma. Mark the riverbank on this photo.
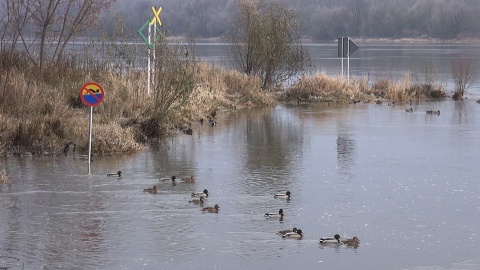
<point>420,41</point>
<point>45,116</point>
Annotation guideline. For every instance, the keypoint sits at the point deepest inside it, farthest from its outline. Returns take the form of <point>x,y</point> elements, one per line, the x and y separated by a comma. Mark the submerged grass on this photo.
<point>323,88</point>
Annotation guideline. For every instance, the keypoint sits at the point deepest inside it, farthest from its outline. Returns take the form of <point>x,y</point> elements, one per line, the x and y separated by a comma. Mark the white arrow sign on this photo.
<point>352,47</point>
<point>346,47</point>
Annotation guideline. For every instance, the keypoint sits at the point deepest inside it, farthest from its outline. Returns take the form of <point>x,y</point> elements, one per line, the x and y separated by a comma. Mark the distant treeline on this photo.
<point>321,20</point>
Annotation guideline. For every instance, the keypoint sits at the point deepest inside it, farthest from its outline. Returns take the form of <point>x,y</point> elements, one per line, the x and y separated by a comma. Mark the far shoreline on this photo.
<point>466,41</point>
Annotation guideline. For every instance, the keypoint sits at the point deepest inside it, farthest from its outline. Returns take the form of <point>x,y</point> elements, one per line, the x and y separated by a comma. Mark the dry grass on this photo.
<point>43,112</point>
<point>3,177</point>
<point>407,89</point>
<point>230,88</point>
<point>327,89</point>
<point>220,89</point>
<point>337,89</point>
<point>245,91</point>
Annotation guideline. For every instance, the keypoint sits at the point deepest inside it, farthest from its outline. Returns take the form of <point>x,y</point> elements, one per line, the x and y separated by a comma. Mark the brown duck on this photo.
<point>213,209</point>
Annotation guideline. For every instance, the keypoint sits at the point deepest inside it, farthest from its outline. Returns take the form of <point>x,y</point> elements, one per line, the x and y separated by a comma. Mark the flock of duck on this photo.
<point>379,102</point>
<point>200,195</point>
<point>199,198</point>
<point>428,112</point>
<point>297,233</point>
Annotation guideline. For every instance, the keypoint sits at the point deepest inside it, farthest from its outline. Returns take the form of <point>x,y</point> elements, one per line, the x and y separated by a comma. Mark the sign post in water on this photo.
<point>91,94</point>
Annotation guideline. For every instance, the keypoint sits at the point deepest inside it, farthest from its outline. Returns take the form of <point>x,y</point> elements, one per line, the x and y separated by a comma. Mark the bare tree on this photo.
<point>264,42</point>
<point>463,73</point>
<point>55,22</point>
<point>4,23</point>
<point>244,50</point>
<point>13,19</point>
<point>121,54</point>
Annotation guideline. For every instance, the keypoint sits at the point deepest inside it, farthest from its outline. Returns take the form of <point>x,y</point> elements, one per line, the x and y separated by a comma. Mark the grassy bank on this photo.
<point>41,112</point>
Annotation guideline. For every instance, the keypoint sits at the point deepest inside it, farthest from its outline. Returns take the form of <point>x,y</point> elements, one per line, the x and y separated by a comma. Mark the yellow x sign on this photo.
<point>155,16</point>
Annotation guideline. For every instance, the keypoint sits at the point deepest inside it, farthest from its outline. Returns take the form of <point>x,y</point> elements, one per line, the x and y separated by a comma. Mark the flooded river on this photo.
<point>405,183</point>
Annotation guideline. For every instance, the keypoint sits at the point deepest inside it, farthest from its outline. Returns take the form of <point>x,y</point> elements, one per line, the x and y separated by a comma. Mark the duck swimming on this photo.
<point>434,112</point>
<point>197,201</point>
<point>119,174</point>
<point>282,196</point>
<point>152,190</point>
<point>210,209</point>
<point>172,179</point>
<point>353,242</point>
<point>275,215</point>
<point>200,194</point>
<point>295,235</point>
<point>409,110</point>
<point>330,240</point>
<point>288,231</point>
<point>190,179</point>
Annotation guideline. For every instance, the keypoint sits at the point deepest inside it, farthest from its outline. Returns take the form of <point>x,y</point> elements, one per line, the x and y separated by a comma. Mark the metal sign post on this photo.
<point>154,22</point>
<point>149,60</point>
<point>90,127</point>
<point>348,62</point>
<point>91,94</point>
<point>340,51</point>
<point>346,47</point>
<point>149,23</point>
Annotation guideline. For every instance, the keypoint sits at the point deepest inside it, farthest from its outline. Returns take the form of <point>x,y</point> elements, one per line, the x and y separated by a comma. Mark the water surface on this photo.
<point>406,184</point>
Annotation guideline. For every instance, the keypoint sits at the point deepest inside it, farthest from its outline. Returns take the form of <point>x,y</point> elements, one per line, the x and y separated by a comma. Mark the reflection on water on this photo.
<point>404,183</point>
<point>345,148</point>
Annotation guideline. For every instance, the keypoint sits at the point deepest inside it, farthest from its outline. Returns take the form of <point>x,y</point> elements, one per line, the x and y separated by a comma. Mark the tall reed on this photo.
<point>3,177</point>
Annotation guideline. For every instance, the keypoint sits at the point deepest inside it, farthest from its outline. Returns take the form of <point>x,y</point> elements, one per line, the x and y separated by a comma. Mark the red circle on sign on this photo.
<point>92,94</point>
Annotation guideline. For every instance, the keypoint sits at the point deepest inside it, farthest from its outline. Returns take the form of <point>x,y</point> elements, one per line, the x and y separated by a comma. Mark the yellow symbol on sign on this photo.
<point>155,16</point>
<point>91,90</point>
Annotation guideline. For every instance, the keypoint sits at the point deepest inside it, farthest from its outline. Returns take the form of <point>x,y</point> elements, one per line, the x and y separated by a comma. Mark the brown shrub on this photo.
<point>221,89</point>
<point>422,91</point>
<point>337,89</point>
<point>327,89</point>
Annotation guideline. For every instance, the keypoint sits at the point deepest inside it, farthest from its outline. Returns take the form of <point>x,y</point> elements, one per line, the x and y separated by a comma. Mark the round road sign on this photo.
<point>92,94</point>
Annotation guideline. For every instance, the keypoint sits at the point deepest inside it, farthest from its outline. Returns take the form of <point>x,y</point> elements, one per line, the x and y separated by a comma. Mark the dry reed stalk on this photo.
<point>125,96</point>
<point>321,87</point>
<point>219,88</point>
<point>112,138</point>
<point>3,177</point>
<point>245,91</point>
